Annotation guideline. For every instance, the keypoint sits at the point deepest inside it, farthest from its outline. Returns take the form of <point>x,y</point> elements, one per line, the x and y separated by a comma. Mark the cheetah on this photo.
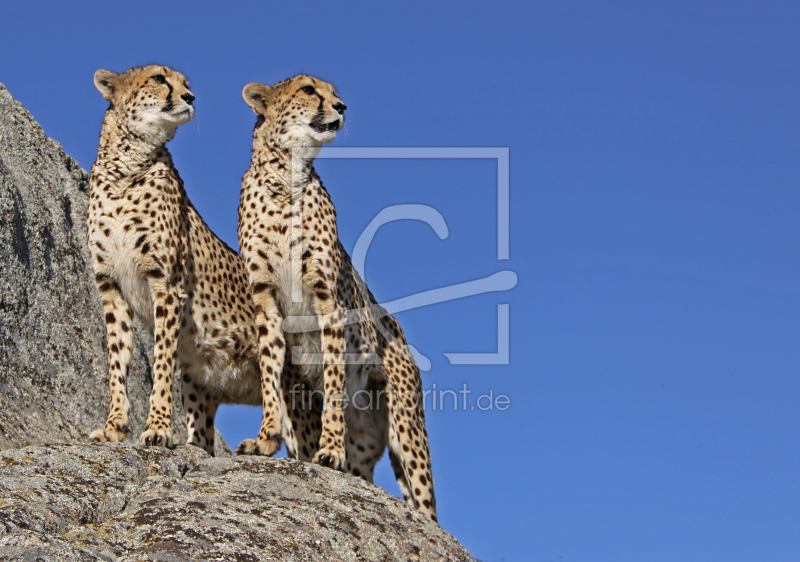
<point>153,256</point>
<point>353,352</point>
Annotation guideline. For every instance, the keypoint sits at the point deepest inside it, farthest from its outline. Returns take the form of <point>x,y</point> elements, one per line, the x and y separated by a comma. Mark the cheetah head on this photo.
<point>151,101</point>
<point>300,111</point>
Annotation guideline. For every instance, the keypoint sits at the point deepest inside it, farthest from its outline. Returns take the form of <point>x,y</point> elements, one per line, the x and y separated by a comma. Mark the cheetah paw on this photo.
<point>156,437</point>
<point>332,458</point>
<point>201,444</point>
<point>108,435</point>
<point>263,447</point>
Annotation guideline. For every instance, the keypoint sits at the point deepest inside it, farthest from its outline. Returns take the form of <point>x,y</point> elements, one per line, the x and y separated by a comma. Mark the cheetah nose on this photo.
<point>339,107</point>
<point>187,97</point>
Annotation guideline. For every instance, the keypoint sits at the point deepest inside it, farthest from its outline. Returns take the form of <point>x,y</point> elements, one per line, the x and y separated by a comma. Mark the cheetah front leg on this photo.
<point>167,312</point>
<point>331,443</point>
<point>271,351</point>
<point>120,343</point>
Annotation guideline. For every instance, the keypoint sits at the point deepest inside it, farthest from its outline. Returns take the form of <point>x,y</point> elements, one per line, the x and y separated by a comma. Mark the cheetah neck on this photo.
<point>287,172</point>
<point>126,153</point>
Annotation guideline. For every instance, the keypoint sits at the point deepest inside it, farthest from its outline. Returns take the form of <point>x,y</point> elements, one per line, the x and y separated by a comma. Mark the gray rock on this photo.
<point>124,502</point>
<point>53,366</point>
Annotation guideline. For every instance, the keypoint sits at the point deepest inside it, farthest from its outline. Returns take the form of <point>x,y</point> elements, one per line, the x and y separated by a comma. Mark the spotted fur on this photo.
<point>351,349</point>
<point>154,256</point>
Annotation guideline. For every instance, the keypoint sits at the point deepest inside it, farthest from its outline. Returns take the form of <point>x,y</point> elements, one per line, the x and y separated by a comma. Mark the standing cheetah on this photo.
<point>152,254</point>
<point>355,352</point>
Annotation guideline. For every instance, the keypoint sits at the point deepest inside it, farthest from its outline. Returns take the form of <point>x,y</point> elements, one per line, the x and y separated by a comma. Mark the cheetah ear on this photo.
<point>107,82</point>
<point>257,96</point>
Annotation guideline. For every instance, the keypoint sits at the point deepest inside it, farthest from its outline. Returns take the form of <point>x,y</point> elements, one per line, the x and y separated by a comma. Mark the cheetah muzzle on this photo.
<point>325,127</point>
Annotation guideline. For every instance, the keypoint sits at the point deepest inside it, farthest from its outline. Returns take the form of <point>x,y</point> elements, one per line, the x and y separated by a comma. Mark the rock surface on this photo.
<point>53,366</point>
<point>88,502</point>
<point>123,502</point>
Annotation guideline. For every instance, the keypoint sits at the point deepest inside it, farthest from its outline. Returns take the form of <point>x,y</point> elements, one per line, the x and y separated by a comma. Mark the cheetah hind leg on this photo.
<point>302,422</point>
<point>200,407</point>
<point>366,434</point>
<point>408,440</point>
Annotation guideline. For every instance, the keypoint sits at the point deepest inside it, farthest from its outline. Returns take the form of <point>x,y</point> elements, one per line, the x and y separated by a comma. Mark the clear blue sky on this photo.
<point>654,376</point>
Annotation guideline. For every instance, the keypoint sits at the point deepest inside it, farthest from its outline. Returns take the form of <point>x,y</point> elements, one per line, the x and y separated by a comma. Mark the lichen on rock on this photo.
<point>124,502</point>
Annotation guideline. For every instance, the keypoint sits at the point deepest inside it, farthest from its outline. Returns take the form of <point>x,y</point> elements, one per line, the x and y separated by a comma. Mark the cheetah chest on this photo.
<point>122,244</point>
<point>295,300</point>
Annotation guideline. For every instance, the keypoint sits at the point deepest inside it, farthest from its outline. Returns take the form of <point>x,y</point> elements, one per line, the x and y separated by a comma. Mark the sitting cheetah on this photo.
<point>298,268</point>
<point>152,254</point>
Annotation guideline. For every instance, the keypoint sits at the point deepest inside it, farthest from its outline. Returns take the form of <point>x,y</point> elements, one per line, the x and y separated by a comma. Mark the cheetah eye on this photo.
<point>159,78</point>
<point>309,90</point>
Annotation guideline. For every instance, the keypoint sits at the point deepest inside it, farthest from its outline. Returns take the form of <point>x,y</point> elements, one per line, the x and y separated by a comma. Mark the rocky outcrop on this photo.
<point>88,502</point>
<point>121,502</point>
<point>53,367</point>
